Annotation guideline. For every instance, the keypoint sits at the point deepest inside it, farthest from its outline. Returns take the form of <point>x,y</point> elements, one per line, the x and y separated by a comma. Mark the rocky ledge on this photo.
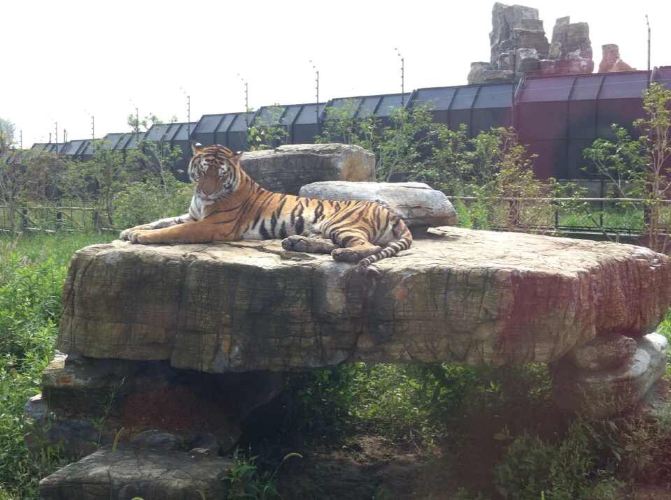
<point>461,295</point>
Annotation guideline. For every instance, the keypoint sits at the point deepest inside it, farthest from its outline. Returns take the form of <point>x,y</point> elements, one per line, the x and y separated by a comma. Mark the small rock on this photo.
<point>207,442</point>
<point>155,439</point>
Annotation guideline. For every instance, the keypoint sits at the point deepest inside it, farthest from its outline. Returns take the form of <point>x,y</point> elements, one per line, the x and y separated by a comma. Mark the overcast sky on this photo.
<point>65,60</point>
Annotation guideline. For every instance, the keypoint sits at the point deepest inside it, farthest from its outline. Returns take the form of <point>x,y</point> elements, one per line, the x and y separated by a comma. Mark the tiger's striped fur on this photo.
<point>228,205</point>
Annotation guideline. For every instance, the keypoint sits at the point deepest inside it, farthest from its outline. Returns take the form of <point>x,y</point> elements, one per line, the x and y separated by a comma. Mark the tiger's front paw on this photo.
<point>136,236</point>
<point>125,235</point>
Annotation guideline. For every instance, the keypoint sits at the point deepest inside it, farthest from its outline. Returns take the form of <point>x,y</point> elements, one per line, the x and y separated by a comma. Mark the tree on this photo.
<point>6,136</point>
<point>341,125</point>
<point>267,132</point>
<point>142,124</point>
<point>640,167</point>
<point>655,130</point>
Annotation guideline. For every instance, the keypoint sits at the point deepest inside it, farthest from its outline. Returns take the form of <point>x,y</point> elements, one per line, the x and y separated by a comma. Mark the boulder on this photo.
<point>129,473</point>
<point>506,18</point>
<point>527,60</point>
<point>420,205</point>
<point>462,295</point>
<point>477,70</point>
<point>286,168</point>
<point>491,76</point>
<point>571,42</point>
<point>600,394</point>
<point>611,61</point>
<point>531,39</point>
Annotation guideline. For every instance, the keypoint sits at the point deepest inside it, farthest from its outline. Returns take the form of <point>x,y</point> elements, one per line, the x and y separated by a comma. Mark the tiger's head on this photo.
<point>214,170</point>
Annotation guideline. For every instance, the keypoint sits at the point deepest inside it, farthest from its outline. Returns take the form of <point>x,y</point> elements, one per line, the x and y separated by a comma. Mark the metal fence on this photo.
<point>614,218</point>
<point>611,218</point>
<point>51,218</point>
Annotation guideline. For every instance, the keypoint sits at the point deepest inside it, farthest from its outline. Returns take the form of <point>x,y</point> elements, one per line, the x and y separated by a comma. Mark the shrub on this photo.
<point>147,201</point>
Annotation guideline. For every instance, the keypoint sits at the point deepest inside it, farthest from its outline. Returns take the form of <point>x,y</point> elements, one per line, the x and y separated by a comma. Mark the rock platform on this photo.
<point>170,348</point>
<point>463,295</point>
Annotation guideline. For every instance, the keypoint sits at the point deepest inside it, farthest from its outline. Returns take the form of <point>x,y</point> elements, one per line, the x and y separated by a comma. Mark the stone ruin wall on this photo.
<point>520,46</point>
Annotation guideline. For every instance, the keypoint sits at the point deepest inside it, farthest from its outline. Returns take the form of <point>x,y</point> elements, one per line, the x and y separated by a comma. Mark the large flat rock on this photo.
<point>463,295</point>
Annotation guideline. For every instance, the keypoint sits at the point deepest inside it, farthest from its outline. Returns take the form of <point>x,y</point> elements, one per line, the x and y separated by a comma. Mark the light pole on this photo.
<point>647,22</point>
<point>246,85</point>
<point>316,90</point>
<point>402,75</point>
<point>188,112</point>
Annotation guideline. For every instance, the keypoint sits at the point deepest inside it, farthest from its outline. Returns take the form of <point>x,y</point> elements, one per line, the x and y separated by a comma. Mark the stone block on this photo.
<point>418,204</point>
<point>132,473</point>
<point>286,168</point>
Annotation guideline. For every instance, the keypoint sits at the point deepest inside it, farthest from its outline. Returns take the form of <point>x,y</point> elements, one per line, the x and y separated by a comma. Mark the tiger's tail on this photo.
<point>403,243</point>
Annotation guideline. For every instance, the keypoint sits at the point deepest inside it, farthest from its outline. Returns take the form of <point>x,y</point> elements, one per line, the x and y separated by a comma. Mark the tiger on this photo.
<point>228,205</point>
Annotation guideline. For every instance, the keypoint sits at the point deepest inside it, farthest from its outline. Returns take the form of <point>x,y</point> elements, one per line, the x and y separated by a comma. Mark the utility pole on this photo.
<point>93,128</point>
<point>402,75</point>
<point>56,125</point>
<point>137,121</point>
<point>21,139</point>
<point>49,137</point>
<point>647,22</point>
<point>316,90</point>
<point>246,97</point>
<point>188,111</point>
<point>65,136</point>
<point>188,116</point>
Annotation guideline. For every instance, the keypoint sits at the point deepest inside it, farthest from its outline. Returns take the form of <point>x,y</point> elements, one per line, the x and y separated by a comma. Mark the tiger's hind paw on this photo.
<point>353,255</point>
<point>297,243</point>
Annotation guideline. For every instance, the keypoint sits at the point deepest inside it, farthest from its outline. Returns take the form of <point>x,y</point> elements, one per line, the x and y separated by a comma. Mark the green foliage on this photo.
<point>412,402</point>
<point>341,125</point>
<point>640,167</point>
<point>6,135</point>
<point>32,271</point>
<point>144,202</point>
<point>267,132</point>
<point>245,480</point>
<point>566,470</point>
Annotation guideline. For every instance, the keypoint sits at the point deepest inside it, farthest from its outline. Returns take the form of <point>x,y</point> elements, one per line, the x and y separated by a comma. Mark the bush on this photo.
<point>533,468</point>
<point>145,202</point>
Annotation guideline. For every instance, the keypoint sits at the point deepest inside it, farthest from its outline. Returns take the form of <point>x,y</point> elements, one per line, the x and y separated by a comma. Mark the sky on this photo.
<point>67,60</point>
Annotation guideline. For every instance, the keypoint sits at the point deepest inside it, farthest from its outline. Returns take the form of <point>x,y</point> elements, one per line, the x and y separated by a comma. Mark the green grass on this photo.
<point>32,271</point>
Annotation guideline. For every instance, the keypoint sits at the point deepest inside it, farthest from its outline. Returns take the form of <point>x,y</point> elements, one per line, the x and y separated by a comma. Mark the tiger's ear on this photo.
<point>236,156</point>
<point>196,148</point>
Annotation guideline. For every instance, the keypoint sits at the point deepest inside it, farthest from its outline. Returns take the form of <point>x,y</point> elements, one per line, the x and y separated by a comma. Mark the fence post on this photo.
<point>96,220</point>
<point>24,219</point>
<point>59,220</point>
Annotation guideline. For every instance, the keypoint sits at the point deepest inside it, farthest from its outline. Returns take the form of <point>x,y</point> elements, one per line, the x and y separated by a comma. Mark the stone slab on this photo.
<point>134,473</point>
<point>286,168</point>
<point>463,295</point>
<point>419,204</point>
